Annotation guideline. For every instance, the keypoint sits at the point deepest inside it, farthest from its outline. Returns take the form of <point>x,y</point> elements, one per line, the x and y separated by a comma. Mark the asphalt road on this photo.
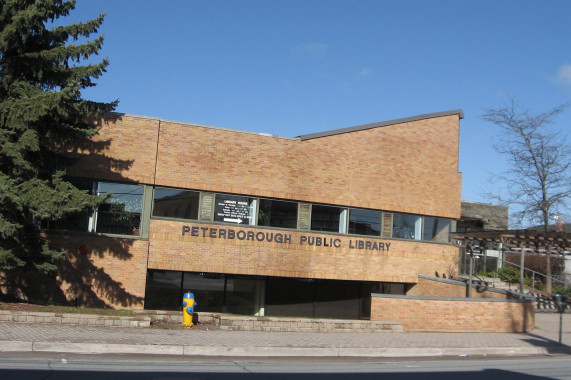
<point>22,367</point>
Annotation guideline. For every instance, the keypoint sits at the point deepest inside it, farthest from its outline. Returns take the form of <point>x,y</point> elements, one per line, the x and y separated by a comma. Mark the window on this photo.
<point>234,209</point>
<point>78,221</point>
<point>176,203</point>
<point>163,290</point>
<point>277,214</point>
<point>328,218</point>
<point>121,214</point>
<point>407,226</point>
<point>364,222</point>
<point>436,229</point>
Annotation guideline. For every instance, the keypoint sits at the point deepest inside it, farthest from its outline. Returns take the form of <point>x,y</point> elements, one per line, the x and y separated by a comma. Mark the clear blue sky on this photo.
<point>291,67</point>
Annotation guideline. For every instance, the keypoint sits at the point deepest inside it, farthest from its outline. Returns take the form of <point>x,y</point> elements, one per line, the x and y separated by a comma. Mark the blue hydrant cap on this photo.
<point>188,295</point>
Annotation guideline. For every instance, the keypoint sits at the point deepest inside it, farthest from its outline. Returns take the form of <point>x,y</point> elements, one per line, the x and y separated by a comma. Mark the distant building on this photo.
<point>482,217</point>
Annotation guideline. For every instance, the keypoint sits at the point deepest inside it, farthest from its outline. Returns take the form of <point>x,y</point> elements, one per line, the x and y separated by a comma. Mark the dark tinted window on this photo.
<point>274,213</point>
<point>175,203</point>
<point>121,214</point>
<point>436,229</point>
<point>325,218</point>
<point>365,222</point>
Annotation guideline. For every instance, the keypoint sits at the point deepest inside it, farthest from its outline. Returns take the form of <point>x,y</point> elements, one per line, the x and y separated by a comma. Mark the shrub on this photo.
<point>562,290</point>
<point>487,274</point>
<point>509,274</point>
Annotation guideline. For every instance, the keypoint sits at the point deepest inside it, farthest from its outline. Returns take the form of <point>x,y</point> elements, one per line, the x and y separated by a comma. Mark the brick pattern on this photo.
<point>124,151</point>
<point>169,249</point>
<point>444,315</point>
<point>112,273</point>
<point>409,167</point>
<point>428,288</point>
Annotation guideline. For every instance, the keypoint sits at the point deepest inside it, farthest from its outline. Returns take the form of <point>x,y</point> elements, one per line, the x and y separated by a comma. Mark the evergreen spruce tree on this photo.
<point>42,115</point>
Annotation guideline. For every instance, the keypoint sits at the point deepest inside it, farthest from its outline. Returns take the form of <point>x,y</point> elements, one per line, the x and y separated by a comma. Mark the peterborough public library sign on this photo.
<point>281,238</point>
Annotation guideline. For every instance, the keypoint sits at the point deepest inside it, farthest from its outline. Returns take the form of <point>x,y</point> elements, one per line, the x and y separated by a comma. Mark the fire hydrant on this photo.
<point>188,305</point>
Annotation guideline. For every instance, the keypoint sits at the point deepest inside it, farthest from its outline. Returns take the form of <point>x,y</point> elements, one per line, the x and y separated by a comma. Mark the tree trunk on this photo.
<point>548,285</point>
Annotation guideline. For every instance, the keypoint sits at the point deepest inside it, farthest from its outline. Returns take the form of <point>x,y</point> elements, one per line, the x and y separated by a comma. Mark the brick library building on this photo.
<point>262,225</point>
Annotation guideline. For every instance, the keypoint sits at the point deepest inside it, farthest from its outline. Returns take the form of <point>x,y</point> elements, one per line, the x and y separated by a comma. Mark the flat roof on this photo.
<point>381,124</point>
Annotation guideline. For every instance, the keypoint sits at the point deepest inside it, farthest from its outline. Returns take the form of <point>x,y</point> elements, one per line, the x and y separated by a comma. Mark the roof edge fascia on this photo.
<point>363,127</point>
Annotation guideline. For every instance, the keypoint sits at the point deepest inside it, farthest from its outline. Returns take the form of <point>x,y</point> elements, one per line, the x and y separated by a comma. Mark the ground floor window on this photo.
<point>270,296</point>
<point>214,292</point>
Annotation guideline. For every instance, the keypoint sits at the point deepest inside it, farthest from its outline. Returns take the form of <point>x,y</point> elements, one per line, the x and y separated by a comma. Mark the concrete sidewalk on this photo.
<point>543,340</point>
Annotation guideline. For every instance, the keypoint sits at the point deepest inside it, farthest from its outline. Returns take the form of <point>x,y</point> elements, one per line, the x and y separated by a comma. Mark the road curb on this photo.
<point>181,350</point>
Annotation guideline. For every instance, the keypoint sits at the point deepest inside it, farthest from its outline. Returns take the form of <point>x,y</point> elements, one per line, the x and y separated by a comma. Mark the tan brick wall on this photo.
<point>401,263</point>
<point>409,167</point>
<point>418,314</point>
<point>428,288</point>
<point>124,150</point>
<point>111,272</point>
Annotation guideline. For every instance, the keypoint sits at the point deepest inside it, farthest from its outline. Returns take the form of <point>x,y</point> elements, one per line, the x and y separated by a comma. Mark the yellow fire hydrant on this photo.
<point>188,305</point>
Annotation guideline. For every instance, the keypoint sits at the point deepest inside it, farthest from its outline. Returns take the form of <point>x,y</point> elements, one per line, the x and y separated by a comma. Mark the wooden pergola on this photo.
<point>555,242</point>
<point>558,243</point>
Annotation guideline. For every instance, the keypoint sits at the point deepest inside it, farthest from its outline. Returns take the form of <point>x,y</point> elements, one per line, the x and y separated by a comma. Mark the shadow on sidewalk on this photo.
<point>552,346</point>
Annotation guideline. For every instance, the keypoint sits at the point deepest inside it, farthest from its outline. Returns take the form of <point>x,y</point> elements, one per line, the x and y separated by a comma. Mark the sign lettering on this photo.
<point>282,238</point>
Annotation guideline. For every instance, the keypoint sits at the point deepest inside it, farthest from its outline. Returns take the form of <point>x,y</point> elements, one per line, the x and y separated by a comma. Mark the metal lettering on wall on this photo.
<point>282,238</point>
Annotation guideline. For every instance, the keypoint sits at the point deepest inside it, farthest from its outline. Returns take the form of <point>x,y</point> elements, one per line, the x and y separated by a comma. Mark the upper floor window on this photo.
<point>406,226</point>
<point>176,203</point>
<point>328,218</point>
<point>364,222</point>
<point>229,208</point>
<point>436,229</point>
<point>121,214</point>
<point>280,214</point>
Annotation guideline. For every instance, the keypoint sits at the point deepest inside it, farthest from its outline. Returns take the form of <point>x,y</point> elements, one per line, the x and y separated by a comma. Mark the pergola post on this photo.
<point>521,268</point>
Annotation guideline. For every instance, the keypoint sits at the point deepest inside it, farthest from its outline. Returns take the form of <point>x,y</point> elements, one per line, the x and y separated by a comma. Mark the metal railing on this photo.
<point>533,275</point>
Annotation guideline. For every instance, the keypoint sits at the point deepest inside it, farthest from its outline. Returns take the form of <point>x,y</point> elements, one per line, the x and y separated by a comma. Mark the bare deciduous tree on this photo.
<point>538,178</point>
